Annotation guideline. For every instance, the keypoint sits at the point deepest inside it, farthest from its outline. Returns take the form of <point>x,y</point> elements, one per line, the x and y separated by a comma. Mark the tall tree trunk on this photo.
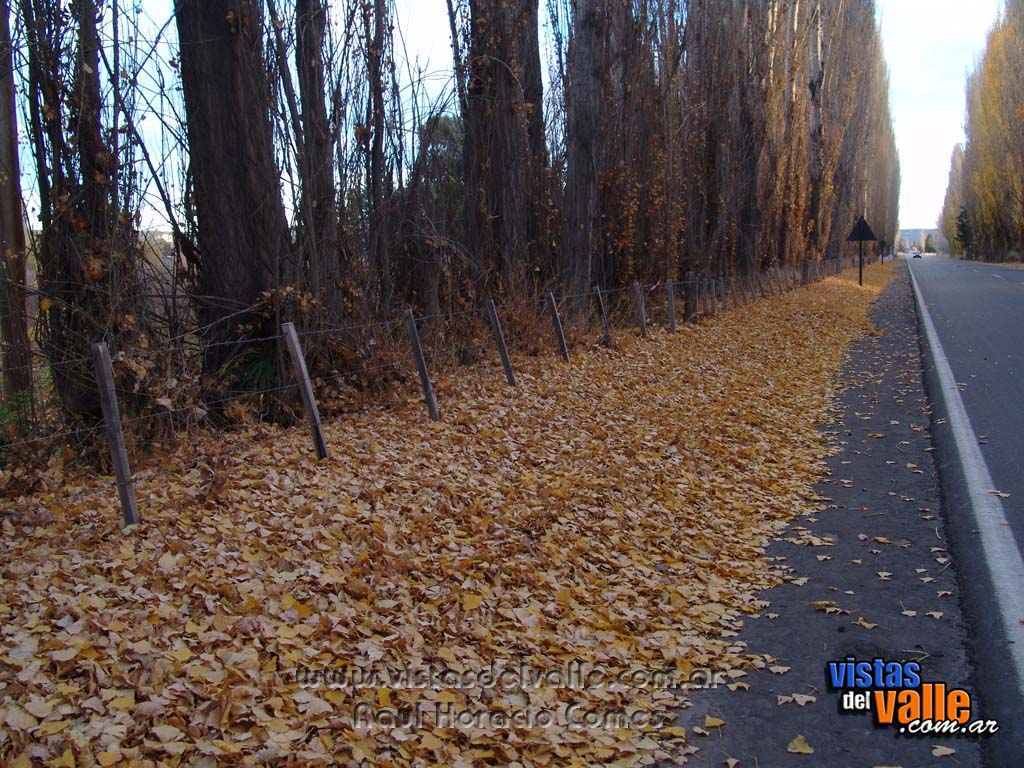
<point>85,248</point>
<point>507,201</point>
<point>243,232</point>
<point>379,236</point>
<point>581,233</point>
<point>816,147</point>
<point>320,243</point>
<point>17,352</point>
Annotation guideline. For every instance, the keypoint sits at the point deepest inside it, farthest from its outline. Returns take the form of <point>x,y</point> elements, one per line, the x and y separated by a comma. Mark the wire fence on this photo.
<point>668,303</point>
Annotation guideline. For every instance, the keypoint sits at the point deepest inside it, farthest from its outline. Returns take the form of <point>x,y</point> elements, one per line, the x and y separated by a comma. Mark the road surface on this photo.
<point>972,325</point>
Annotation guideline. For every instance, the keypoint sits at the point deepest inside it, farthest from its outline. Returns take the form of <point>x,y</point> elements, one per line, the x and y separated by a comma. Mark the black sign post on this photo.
<point>861,233</point>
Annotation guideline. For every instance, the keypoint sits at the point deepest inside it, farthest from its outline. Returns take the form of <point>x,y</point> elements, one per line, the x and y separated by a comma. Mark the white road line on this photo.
<point>999,549</point>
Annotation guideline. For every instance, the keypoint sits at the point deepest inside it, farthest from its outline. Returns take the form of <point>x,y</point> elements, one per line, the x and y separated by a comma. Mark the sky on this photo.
<point>930,47</point>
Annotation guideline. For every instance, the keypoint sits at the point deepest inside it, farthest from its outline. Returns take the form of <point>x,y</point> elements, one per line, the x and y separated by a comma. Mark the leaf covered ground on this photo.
<point>609,513</point>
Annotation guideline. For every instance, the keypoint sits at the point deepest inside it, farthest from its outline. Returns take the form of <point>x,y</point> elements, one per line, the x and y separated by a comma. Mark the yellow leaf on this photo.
<point>938,751</point>
<point>66,760</point>
<point>122,702</point>
<point>19,719</point>
<point>713,722</point>
<point>430,741</point>
<point>799,746</point>
<point>471,602</point>
<point>40,709</point>
<point>51,727</point>
<point>167,733</point>
<point>108,758</point>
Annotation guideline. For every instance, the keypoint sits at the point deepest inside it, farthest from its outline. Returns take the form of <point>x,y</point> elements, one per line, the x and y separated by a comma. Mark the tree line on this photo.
<point>306,171</point>
<point>983,213</point>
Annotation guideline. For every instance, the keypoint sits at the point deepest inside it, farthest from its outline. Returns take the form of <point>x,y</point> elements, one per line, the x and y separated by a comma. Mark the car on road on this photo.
<point>915,255</point>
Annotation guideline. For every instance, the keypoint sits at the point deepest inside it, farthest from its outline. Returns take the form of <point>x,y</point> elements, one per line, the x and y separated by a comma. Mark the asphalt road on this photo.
<point>978,311</point>
<point>976,315</point>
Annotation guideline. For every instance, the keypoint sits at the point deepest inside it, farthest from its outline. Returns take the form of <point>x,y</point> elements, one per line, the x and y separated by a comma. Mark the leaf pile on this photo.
<point>613,511</point>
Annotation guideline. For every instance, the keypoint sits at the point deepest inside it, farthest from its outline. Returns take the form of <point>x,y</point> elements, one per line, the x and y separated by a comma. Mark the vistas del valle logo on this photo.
<point>896,696</point>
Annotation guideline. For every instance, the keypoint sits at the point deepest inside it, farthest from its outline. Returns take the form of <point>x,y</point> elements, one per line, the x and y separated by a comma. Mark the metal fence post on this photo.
<point>421,366</point>
<point>115,433</point>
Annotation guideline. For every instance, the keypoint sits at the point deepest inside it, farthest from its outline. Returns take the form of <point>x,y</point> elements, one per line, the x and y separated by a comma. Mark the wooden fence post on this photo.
<point>690,294</point>
<point>115,433</point>
<point>291,339</point>
<point>641,311</point>
<point>606,328</point>
<point>499,338</point>
<point>670,290</point>
<point>421,366</point>
<point>559,330</point>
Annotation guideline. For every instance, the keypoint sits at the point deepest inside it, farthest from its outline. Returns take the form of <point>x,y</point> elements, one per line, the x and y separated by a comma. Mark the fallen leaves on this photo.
<point>799,699</point>
<point>799,746</point>
<point>613,511</point>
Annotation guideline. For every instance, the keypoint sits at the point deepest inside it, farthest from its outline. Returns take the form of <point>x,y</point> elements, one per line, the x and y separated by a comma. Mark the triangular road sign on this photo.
<point>861,232</point>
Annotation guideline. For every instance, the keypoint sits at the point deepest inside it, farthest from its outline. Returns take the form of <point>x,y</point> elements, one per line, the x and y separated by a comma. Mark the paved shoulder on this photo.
<point>872,579</point>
